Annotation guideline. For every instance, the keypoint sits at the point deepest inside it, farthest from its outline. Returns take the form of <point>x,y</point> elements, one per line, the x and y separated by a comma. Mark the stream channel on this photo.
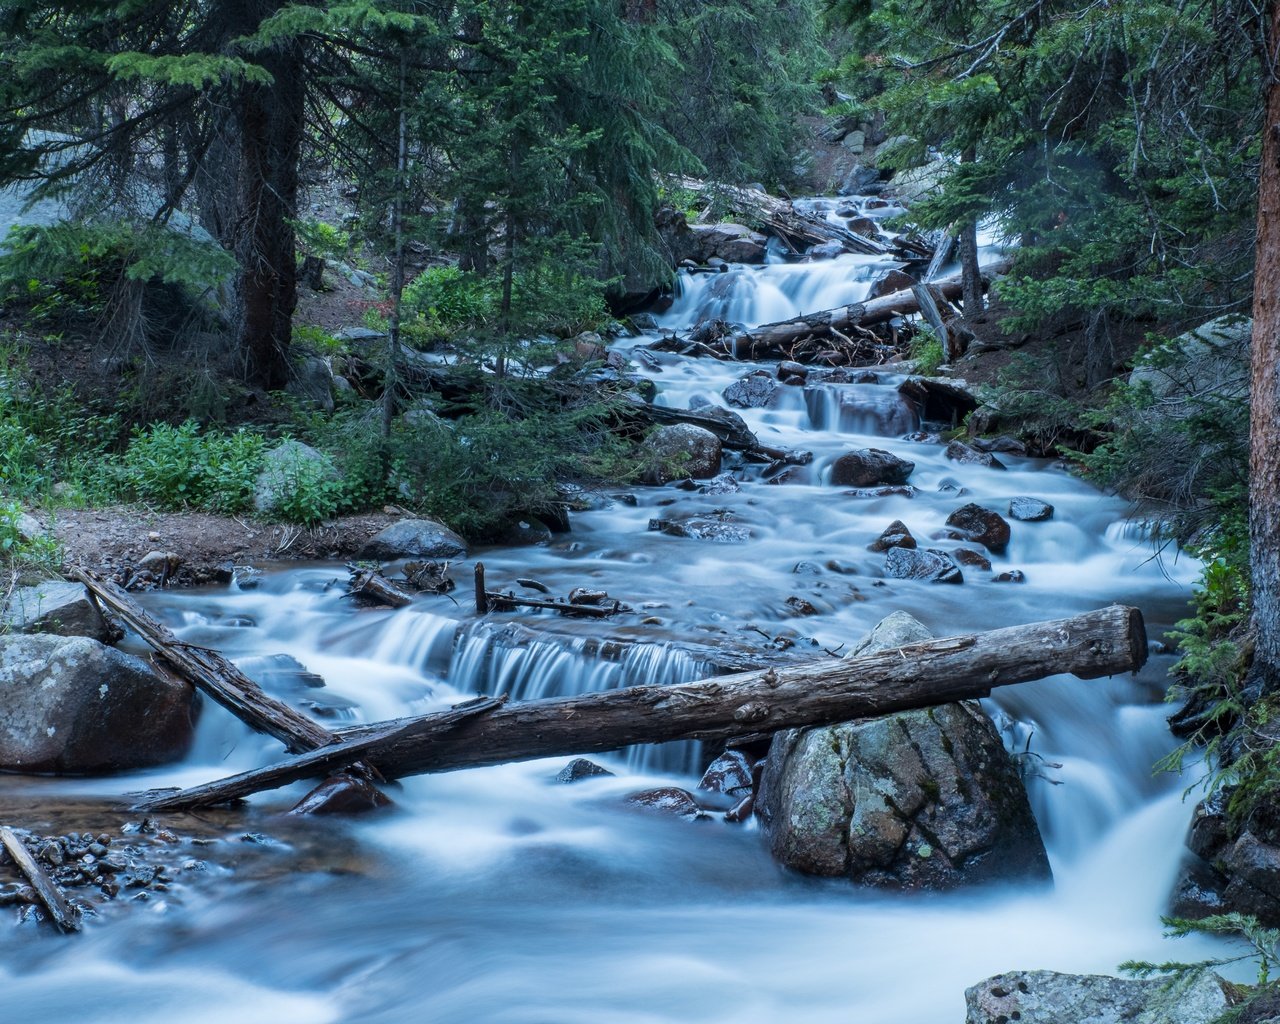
<point>500,895</point>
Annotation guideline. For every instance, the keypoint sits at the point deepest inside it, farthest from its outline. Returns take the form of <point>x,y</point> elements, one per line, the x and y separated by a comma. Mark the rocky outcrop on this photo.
<point>414,538</point>
<point>54,607</point>
<point>1232,868</point>
<point>1045,997</point>
<point>924,799</point>
<point>1212,360</point>
<point>679,451</point>
<point>870,467</point>
<point>70,705</point>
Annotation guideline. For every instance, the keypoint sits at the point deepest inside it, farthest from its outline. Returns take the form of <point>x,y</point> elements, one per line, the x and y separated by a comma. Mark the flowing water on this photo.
<point>499,895</point>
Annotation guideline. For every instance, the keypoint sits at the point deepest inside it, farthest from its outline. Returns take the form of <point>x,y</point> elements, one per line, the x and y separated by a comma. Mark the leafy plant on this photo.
<point>179,467</point>
<point>19,552</point>
<point>927,352</point>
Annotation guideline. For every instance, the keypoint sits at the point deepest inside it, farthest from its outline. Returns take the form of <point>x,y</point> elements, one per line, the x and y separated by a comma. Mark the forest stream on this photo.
<point>501,895</point>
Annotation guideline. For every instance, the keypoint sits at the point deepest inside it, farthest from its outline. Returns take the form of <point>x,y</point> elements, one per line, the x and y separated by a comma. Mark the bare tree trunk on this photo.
<point>970,272</point>
<point>389,382</point>
<point>1099,354</point>
<point>270,123</point>
<point>1264,422</point>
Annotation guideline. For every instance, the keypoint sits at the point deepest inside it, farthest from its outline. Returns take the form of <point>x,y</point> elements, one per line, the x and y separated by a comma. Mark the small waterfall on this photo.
<point>876,409</point>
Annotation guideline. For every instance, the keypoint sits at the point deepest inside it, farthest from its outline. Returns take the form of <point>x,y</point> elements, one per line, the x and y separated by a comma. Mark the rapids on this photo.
<point>498,895</point>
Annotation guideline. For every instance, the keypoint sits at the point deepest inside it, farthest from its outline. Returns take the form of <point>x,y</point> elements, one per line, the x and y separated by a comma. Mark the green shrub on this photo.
<point>450,300</point>
<point>17,552</point>
<point>308,492</point>
<point>927,352</point>
<point>178,467</point>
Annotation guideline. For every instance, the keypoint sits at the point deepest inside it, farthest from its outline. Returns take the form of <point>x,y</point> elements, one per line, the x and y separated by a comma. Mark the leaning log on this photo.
<point>64,913</point>
<point>731,429</point>
<point>1096,644</point>
<point>777,340</point>
<point>211,672</point>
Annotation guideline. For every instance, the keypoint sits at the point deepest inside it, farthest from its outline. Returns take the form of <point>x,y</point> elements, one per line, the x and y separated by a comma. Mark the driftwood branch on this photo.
<point>65,913</point>
<point>1096,644</point>
<point>211,672</point>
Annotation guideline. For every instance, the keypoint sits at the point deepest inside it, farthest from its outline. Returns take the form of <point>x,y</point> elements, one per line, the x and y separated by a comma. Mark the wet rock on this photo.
<point>1010,576</point>
<point>55,607</point>
<point>824,251</point>
<point>730,774</point>
<point>283,468</point>
<point>644,322</point>
<point>1046,997</point>
<point>900,491</point>
<point>1002,443</point>
<point>342,794</point>
<point>71,705</point>
<point>967,556</point>
<point>870,467</point>
<point>981,525</point>
<point>1030,510</point>
<point>667,800</point>
<point>526,531</point>
<point>895,535</point>
<point>800,606</point>
<point>681,450</point>
<point>932,565</point>
<point>414,538</point>
<point>939,399</point>
<point>889,282</point>
<point>949,486</point>
<point>958,451</point>
<point>719,526</point>
<point>757,390</point>
<point>580,768</point>
<point>722,484</point>
<point>919,799</point>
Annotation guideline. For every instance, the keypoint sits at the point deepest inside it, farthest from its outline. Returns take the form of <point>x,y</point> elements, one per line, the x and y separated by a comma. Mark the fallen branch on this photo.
<point>941,671</point>
<point>373,586</point>
<point>64,913</point>
<point>211,673</point>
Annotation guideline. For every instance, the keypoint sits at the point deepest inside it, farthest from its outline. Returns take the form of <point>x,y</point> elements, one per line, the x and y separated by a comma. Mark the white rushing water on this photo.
<point>499,895</point>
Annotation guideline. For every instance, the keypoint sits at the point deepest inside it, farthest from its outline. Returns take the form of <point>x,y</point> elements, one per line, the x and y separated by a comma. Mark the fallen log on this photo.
<point>211,672</point>
<point>778,340</point>
<point>728,426</point>
<point>410,734</point>
<point>64,913</point>
<point>371,585</point>
<point>940,671</point>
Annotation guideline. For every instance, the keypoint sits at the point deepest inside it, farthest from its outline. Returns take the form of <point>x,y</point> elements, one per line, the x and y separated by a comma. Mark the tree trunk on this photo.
<point>1264,422</point>
<point>934,672</point>
<point>270,125</point>
<point>970,272</point>
<point>389,381</point>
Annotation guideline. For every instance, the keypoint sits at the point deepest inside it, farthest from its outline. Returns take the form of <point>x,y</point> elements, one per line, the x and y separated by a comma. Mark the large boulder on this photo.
<point>932,565</point>
<point>1233,867</point>
<point>1046,997</point>
<point>71,705</point>
<point>925,799</point>
<point>414,538</point>
<point>870,467</point>
<point>289,466</point>
<point>54,607</point>
<point>679,451</point>
<point>1212,360</point>
<point>757,390</point>
<point>733,243</point>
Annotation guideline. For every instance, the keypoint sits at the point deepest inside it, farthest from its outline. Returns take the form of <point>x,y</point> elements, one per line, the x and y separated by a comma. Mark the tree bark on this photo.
<point>270,127</point>
<point>1264,420</point>
<point>934,672</point>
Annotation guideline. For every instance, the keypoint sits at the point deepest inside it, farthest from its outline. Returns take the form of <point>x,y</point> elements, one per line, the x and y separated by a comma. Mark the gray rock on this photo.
<point>414,538</point>
<point>1046,997</point>
<point>1030,510</point>
<point>897,629</point>
<point>920,799</point>
<point>733,243</point>
<point>284,467</point>
<point>679,451</point>
<point>1212,360</point>
<point>71,705</point>
<point>312,382</point>
<point>756,391</point>
<point>958,451</point>
<point>719,526</point>
<point>29,527</point>
<point>932,565</point>
<point>54,607</point>
<point>981,525</point>
<point>580,768</point>
<point>870,467</point>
